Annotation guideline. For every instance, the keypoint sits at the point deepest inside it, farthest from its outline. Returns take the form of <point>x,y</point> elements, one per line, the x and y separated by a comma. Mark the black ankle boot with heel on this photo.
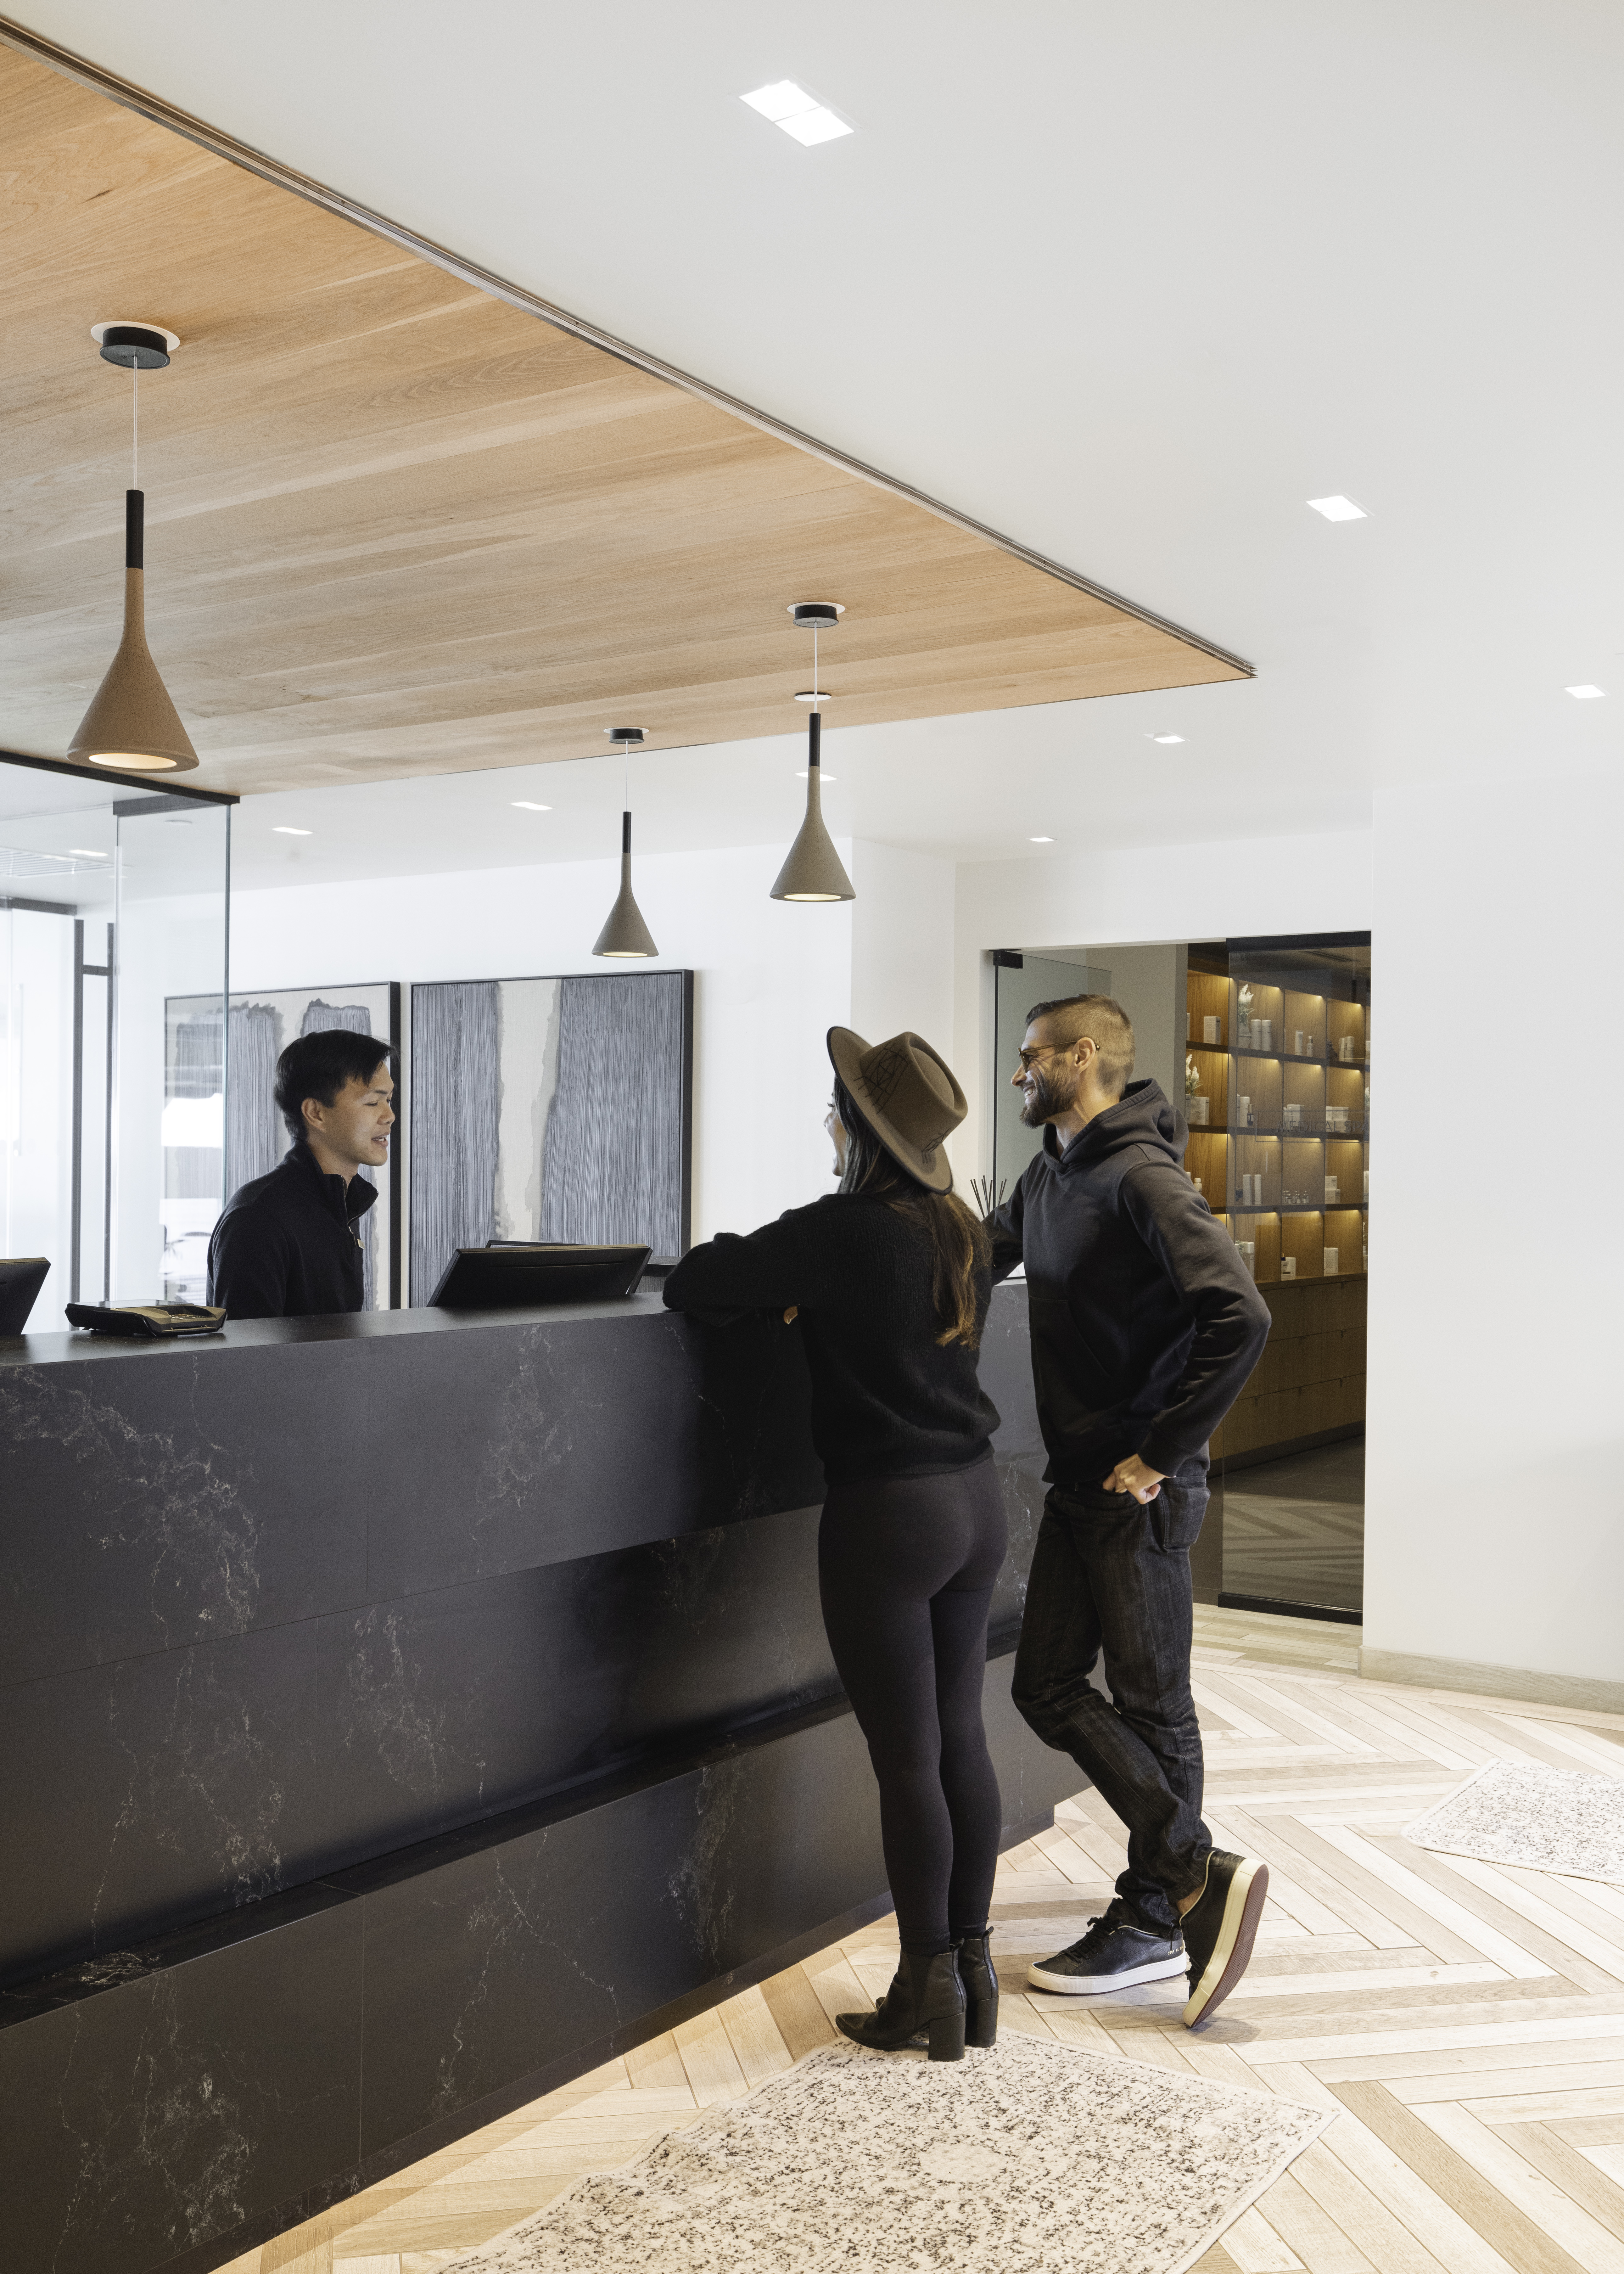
<point>926,1999</point>
<point>980,1989</point>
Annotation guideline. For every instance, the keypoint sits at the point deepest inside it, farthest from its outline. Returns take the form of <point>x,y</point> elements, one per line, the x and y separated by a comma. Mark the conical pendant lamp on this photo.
<point>626,936</point>
<point>814,870</point>
<point>132,725</point>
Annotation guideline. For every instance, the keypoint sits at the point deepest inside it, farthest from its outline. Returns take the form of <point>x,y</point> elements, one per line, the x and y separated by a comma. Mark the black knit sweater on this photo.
<point>887,1400</point>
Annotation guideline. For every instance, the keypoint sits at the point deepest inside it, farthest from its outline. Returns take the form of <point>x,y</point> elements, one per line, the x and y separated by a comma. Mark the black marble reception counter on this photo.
<point>398,1714</point>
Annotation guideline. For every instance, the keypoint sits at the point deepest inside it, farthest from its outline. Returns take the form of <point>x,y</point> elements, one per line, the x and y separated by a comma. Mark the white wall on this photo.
<point>902,945</point>
<point>771,978</point>
<point>1494,1528</point>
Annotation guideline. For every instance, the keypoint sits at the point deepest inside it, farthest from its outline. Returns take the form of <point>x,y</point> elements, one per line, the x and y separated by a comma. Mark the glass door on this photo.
<point>1279,1137</point>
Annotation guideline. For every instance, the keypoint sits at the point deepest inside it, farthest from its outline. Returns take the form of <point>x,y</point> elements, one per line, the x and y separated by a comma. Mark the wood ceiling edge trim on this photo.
<point>158,784</point>
<point>222,145</point>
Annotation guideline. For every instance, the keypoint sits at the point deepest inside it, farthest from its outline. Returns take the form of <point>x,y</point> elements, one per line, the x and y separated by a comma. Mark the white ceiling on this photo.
<point>1129,284</point>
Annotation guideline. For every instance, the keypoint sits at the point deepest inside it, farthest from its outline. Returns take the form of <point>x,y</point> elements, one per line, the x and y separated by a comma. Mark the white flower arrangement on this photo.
<point>1192,1075</point>
<point>1244,1000</point>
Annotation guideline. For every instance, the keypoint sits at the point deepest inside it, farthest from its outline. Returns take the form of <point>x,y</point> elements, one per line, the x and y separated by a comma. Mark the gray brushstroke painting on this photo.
<point>262,1025</point>
<point>547,1109</point>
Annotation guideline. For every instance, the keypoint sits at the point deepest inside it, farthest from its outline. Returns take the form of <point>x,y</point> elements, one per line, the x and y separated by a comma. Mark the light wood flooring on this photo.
<point>1465,2020</point>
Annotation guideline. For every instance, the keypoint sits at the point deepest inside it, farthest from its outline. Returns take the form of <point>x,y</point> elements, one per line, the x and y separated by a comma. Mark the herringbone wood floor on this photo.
<point>1467,2020</point>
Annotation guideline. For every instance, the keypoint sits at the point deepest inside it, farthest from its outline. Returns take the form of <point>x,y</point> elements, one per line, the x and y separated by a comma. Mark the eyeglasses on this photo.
<point>1038,1050</point>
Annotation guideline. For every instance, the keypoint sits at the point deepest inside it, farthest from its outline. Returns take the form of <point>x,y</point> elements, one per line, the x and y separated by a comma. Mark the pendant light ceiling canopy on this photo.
<point>626,937</point>
<point>132,725</point>
<point>814,872</point>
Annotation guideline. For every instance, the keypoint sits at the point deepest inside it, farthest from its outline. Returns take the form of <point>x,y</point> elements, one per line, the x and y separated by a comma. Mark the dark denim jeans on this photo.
<point>1111,1577</point>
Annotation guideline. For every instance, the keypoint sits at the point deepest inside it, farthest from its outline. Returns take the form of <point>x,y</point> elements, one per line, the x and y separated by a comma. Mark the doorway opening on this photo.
<point>1263,1045</point>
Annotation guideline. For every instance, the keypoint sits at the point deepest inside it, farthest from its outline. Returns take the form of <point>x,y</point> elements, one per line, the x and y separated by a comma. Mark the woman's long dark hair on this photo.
<point>959,1248</point>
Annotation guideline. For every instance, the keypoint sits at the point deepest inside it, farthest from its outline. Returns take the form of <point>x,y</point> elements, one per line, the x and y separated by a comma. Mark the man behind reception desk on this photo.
<point>287,1246</point>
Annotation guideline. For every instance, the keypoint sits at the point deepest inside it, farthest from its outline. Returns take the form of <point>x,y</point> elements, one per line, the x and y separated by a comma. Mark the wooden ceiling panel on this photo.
<point>396,525</point>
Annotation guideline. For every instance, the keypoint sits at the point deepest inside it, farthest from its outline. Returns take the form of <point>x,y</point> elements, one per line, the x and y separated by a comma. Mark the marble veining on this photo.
<point>532,1431</point>
<point>505,1924</point>
<point>182,1509</point>
<point>1033,2158</point>
<point>210,1778</point>
<point>391,1708</point>
<point>702,1886</point>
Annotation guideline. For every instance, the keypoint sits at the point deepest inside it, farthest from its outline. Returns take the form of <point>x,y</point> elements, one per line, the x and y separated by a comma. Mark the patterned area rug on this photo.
<point>1030,2159</point>
<point>1524,1813</point>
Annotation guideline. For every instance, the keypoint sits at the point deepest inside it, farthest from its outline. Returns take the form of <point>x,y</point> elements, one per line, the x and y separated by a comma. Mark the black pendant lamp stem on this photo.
<point>815,723</point>
<point>625,836</point>
<point>135,529</point>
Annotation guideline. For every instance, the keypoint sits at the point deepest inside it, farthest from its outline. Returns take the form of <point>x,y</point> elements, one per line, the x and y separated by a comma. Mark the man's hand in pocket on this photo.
<point>1131,1476</point>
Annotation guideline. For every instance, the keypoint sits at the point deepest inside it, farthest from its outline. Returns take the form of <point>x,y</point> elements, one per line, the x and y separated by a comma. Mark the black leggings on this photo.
<point>905,1568</point>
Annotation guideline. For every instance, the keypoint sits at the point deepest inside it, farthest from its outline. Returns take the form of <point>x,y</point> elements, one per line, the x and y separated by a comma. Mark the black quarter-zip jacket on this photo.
<point>286,1246</point>
<point>1145,1322</point>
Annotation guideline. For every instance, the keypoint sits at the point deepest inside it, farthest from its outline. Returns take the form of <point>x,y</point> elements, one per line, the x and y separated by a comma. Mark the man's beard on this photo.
<point>1048,1099</point>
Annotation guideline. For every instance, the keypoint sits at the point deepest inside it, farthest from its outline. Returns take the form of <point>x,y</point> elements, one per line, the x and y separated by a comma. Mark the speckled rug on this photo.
<point>1029,2159</point>
<point>1524,1813</point>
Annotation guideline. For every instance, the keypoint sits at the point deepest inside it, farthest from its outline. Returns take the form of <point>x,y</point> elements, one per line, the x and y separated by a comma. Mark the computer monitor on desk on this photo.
<point>515,1274</point>
<point>21,1279</point>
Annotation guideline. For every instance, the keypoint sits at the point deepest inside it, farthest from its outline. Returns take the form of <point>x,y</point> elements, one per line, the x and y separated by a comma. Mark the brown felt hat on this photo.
<point>908,1097</point>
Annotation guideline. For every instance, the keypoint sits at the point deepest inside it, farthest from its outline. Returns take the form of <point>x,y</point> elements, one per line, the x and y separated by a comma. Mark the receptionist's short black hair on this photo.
<point>320,1065</point>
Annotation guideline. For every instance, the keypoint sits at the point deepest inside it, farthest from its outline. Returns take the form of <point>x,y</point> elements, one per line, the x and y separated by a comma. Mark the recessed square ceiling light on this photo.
<point>1167,738</point>
<point>789,106</point>
<point>529,805</point>
<point>1043,840</point>
<point>281,829</point>
<point>1585,694</point>
<point>1339,508</point>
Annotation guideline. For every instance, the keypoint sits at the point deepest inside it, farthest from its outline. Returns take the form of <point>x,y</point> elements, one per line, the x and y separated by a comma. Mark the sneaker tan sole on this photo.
<point>1232,1951</point>
<point>1101,1985</point>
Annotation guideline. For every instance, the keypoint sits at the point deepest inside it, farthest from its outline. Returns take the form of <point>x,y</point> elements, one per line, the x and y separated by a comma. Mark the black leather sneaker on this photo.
<point>1220,1927</point>
<point>1114,1954</point>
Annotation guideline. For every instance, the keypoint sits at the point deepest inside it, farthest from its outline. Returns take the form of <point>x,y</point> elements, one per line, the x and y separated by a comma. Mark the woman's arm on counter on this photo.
<point>755,1271</point>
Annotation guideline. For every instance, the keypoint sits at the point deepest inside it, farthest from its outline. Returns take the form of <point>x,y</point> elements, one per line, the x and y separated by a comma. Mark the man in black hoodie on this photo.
<point>1145,1326</point>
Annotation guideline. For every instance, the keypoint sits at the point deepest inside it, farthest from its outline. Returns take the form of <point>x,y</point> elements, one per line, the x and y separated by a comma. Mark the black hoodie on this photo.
<point>1145,1322</point>
<point>286,1246</point>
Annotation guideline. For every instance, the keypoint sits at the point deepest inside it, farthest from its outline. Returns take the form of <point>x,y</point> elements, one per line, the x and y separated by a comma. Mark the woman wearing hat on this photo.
<point>888,1279</point>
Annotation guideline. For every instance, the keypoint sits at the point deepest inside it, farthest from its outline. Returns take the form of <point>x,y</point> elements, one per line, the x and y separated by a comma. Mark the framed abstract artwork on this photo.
<point>549,1109</point>
<point>196,1071</point>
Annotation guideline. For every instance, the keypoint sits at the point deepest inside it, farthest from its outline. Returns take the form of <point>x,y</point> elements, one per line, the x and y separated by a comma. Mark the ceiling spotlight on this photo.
<point>789,106</point>
<point>1165,738</point>
<point>529,805</point>
<point>1041,840</point>
<point>1339,508</point>
<point>1585,694</point>
<point>132,724</point>
<point>286,829</point>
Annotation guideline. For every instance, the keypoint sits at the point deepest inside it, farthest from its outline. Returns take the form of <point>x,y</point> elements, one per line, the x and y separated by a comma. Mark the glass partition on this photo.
<point>1279,1051</point>
<point>112,898</point>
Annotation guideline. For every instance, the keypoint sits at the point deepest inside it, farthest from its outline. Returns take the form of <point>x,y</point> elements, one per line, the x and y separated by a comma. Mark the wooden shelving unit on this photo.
<point>1279,1125</point>
<point>1280,1147</point>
